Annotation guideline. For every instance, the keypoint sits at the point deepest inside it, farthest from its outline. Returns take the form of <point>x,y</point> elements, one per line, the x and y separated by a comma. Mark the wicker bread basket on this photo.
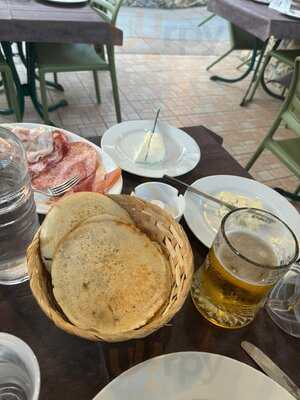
<point>160,227</point>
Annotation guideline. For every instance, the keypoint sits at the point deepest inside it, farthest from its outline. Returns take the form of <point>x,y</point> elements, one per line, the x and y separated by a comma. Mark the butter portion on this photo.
<point>151,150</point>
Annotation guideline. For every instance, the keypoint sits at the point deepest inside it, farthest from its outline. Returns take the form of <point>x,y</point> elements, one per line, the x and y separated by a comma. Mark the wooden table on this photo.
<point>75,369</point>
<point>263,23</point>
<point>257,19</point>
<point>42,21</point>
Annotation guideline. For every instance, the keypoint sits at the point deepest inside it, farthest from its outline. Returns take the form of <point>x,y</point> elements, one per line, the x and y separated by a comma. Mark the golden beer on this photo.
<point>228,290</point>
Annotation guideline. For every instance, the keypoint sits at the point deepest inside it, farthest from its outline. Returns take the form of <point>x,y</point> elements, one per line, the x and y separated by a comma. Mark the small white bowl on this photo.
<point>162,195</point>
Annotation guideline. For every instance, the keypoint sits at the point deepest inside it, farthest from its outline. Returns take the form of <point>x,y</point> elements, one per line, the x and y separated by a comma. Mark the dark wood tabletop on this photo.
<point>256,18</point>
<point>43,21</point>
<point>76,369</point>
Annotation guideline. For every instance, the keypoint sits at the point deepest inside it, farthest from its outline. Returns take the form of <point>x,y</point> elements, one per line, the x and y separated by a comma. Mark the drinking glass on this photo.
<point>18,218</point>
<point>253,249</point>
<point>19,370</point>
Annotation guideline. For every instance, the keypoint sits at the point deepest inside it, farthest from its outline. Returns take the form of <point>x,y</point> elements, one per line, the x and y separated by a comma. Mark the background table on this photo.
<point>257,19</point>
<point>33,21</point>
<point>73,368</point>
<point>42,21</point>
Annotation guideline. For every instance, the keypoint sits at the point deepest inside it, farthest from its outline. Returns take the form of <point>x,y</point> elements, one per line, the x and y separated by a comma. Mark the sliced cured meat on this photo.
<point>104,181</point>
<point>81,160</point>
<point>60,149</point>
<point>38,142</point>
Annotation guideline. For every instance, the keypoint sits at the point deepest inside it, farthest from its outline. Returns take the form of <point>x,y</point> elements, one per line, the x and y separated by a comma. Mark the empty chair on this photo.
<point>287,150</point>
<point>286,56</point>
<point>9,89</point>
<point>70,57</point>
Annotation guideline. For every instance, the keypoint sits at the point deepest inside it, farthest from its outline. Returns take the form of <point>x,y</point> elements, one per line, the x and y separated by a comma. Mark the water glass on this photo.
<point>19,370</point>
<point>18,217</point>
<point>252,251</point>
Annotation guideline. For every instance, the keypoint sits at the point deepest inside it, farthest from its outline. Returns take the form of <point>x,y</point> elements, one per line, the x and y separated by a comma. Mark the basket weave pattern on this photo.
<point>160,227</point>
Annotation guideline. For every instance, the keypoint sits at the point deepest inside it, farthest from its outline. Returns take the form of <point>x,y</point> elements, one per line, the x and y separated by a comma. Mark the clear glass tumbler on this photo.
<point>252,251</point>
<point>18,217</point>
<point>19,370</point>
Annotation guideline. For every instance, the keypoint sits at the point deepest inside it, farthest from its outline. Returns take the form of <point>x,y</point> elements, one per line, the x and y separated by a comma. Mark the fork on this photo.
<point>59,190</point>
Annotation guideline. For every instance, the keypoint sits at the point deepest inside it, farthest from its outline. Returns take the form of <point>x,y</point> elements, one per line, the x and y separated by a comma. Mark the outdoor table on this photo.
<point>259,20</point>
<point>33,21</point>
<point>73,368</point>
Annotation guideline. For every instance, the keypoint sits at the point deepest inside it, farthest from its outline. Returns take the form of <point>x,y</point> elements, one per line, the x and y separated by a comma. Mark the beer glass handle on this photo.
<point>293,302</point>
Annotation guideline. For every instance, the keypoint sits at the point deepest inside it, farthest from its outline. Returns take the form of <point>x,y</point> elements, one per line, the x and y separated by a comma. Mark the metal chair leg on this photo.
<point>260,77</point>
<point>205,20</point>
<point>219,59</point>
<point>6,90</point>
<point>255,78</point>
<point>243,76</point>
<point>44,98</point>
<point>113,75</point>
<point>97,88</point>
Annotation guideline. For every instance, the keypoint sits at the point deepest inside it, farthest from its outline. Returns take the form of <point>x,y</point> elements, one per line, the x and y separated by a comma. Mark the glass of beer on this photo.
<point>253,249</point>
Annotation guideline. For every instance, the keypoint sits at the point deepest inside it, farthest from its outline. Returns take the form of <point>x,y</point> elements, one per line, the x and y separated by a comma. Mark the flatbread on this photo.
<point>70,211</point>
<point>109,276</point>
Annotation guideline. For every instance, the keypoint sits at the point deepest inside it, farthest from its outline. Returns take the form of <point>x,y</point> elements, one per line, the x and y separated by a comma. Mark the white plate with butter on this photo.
<point>204,217</point>
<point>170,151</point>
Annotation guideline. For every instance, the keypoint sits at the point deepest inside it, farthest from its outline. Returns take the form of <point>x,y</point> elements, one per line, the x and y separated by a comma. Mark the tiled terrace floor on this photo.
<point>179,85</point>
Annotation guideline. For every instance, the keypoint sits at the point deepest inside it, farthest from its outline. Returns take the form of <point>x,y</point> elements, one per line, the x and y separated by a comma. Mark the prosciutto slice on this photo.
<point>52,160</point>
<point>60,149</point>
<point>81,160</point>
<point>44,148</point>
<point>38,142</point>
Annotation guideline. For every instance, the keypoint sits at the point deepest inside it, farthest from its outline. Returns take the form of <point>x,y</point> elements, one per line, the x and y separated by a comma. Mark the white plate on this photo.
<point>283,6</point>
<point>40,200</point>
<point>193,376</point>
<point>67,1</point>
<point>266,2</point>
<point>182,152</point>
<point>271,201</point>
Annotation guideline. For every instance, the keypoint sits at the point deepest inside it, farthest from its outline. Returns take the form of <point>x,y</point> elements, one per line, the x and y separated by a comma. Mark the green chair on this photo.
<point>9,90</point>
<point>240,40</point>
<point>55,58</point>
<point>287,150</point>
<point>287,57</point>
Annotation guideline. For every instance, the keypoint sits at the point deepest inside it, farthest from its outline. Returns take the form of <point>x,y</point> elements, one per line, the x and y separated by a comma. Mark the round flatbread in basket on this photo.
<point>153,227</point>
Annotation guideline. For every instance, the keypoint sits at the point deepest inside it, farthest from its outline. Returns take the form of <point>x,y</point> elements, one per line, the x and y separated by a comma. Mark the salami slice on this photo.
<point>81,160</point>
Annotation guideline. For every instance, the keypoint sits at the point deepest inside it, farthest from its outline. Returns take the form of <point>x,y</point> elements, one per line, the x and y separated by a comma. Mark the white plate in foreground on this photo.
<point>67,1</point>
<point>40,200</point>
<point>193,376</point>
<point>196,206</point>
<point>182,152</point>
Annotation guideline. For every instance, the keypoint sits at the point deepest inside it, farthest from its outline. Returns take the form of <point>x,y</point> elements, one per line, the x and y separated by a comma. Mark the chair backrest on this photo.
<point>291,106</point>
<point>108,9</point>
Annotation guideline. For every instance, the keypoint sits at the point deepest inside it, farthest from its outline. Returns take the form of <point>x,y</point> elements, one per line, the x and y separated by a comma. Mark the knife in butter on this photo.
<point>271,369</point>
